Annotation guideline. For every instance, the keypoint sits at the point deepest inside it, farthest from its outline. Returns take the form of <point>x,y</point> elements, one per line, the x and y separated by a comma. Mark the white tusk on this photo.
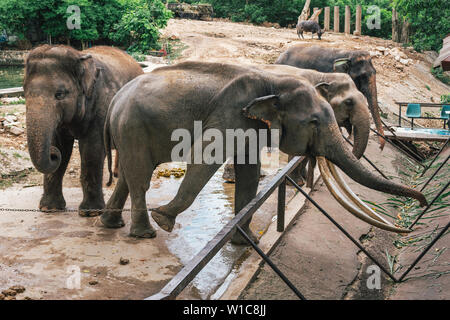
<point>349,206</point>
<point>350,194</point>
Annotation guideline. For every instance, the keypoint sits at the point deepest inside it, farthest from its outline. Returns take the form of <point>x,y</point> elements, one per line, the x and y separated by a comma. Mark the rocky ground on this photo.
<point>402,74</point>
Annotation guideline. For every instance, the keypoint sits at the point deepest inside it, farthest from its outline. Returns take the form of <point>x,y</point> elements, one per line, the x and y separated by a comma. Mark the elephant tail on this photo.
<point>107,138</point>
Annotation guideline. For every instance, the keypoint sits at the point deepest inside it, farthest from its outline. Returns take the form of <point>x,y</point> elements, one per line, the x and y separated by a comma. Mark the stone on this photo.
<point>18,289</point>
<point>16,130</point>
<point>124,261</point>
<point>9,292</point>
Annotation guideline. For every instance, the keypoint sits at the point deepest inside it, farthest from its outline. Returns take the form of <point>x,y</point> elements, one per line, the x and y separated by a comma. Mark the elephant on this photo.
<point>349,105</point>
<point>146,112</point>
<point>356,63</point>
<point>67,95</point>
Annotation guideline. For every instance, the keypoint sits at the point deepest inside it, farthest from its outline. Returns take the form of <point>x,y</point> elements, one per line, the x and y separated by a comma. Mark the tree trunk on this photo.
<point>305,12</point>
<point>404,38</point>
<point>395,26</point>
<point>315,15</point>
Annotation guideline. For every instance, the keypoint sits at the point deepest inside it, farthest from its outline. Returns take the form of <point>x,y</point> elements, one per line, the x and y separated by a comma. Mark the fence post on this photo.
<point>326,20</point>
<point>336,19</point>
<point>357,31</point>
<point>281,206</point>
<point>347,20</point>
<point>395,26</point>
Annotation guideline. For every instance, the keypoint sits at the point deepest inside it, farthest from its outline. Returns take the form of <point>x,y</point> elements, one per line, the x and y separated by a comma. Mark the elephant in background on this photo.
<point>147,111</point>
<point>67,94</point>
<point>357,64</point>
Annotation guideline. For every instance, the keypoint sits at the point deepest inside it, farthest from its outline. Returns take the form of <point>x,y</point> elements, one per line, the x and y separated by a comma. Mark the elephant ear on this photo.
<point>341,65</point>
<point>323,89</point>
<point>87,74</point>
<point>264,109</point>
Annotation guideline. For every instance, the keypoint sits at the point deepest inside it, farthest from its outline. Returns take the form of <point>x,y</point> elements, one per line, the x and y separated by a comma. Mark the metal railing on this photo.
<point>175,286</point>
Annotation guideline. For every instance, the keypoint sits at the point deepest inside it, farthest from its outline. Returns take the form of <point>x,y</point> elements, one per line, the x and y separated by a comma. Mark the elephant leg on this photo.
<point>92,159</point>
<point>137,171</point>
<point>112,216</point>
<point>53,199</point>
<point>247,179</point>
<point>197,175</point>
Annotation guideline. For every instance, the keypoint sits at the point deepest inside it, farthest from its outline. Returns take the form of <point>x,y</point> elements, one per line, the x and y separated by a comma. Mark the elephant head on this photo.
<point>350,109</point>
<point>308,127</point>
<point>59,85</point>
<point>358,65</point>
<point>349,104</point>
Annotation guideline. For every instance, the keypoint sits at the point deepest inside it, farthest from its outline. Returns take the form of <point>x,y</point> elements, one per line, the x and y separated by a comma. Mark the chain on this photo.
<point>65,210</point>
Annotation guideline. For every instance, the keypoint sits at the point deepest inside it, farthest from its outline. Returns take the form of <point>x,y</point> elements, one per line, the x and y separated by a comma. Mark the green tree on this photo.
<point>430,22</point>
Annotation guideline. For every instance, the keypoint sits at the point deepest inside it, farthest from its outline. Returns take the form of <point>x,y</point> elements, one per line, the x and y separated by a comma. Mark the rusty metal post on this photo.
<point>326,20</point>
<point>347,20</point>
<point>336,19</point>
<point>281,206</point>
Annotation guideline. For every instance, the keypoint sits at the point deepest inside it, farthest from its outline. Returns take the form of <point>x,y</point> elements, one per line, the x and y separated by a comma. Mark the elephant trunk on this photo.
<point>370,92</point>
<point>361,130</point>
<point>40,133</point>
<point>337,153</point>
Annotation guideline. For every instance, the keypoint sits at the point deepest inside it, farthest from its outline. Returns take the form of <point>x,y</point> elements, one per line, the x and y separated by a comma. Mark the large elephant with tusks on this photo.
<point>356,63</point>
<point>146,112</point>
<point>67,94</point>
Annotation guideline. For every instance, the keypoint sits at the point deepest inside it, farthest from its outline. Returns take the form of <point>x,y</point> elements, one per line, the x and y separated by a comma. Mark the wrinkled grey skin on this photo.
<point>146,111</point>
<point>67,95</point>
<point>357,64</point>
<point>349,104</point>
<point>309,26</point>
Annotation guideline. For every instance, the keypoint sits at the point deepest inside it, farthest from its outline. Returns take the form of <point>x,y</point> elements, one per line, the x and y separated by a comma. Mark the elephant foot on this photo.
<point>91,209</point>
<point>142,232</point>
<point>112,220</point>
<point>52,204</point>
<point>164,221</point>
<point>239,240</point>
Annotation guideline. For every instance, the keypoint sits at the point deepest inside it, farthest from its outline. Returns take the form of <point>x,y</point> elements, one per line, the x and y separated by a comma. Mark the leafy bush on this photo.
<point>139,26</point>
<point>430,22</point>
<point>439,74</point>
<point>131,23</point>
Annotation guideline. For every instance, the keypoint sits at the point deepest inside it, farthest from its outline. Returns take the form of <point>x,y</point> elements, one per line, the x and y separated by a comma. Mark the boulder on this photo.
<point>201,11</point>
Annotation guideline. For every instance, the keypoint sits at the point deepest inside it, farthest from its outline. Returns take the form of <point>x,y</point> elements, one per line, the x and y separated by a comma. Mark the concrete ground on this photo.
<point>323,264</point>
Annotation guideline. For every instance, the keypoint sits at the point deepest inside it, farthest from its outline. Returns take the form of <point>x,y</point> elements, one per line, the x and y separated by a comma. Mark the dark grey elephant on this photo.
<point>357,64</point>
<point>67,94</point>
<point>349,105</point>
<point>145,113</point>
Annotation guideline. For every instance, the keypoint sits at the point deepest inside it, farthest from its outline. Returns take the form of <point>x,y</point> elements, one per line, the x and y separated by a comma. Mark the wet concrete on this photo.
<point>323,264</point>
<point>41,251</point>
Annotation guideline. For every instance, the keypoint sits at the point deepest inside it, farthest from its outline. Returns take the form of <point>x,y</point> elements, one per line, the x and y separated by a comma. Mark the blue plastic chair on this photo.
<point>444,114</point>
<point>413,111</point>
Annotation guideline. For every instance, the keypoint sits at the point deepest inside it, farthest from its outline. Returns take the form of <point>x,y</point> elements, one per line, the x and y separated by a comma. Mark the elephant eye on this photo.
<point>60,94</point>
<point>348,102</point>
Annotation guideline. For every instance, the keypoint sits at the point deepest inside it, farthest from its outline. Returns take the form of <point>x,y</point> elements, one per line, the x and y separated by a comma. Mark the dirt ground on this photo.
<point>215,41</point>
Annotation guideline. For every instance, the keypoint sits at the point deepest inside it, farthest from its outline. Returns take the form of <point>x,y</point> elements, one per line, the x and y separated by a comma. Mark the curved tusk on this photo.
<point>349,206</point>
<point>352,196</point>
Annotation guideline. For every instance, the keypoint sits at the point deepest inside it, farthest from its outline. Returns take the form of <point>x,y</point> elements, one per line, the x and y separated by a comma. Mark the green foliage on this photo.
<point>445,98</point>
<point>131,23</point>
<point>438,73</point>
<point>430,22</point>
<point>139,26</point>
